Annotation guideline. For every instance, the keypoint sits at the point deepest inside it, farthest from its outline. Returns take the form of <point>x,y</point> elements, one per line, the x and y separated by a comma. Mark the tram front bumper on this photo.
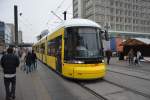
<point>85,72</point>
<point>89,72</point>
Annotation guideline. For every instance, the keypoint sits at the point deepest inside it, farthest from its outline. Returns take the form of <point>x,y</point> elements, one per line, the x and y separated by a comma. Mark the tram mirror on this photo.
<point>106,35</point>
<point>102,34</point>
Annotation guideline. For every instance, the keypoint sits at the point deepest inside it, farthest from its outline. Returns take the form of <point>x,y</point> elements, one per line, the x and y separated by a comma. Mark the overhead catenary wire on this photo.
<point>68,7</point>
<point>59,6</point>
<point>54,12</point>
<point>57,12</point>
<point>27,21</point>
<point>25,24</point>
<point>56,15</point>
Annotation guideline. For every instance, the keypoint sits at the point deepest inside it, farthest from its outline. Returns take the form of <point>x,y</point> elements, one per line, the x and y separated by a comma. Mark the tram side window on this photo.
<point>51,48</point>
<point>42,48</point>
<point>38,49</point>
<point>58,45</point>
<point>54,46</point>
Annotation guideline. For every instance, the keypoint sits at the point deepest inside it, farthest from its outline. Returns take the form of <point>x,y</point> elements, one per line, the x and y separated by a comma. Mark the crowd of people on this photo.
<point>134,57</point>
<point>10,61</point>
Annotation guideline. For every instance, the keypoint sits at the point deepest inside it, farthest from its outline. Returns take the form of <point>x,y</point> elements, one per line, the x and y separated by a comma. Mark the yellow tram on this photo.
<point>74,50</point>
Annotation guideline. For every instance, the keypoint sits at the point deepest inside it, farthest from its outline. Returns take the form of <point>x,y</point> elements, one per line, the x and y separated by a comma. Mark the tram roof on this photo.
<point>79,22</point>
<point>74,23</point>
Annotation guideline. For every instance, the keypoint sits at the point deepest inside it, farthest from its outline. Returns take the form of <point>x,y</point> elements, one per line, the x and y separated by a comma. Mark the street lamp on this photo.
<point>16,23</point>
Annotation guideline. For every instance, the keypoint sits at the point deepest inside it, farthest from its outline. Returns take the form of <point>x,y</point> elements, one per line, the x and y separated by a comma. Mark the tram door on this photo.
<point>46,52</point>
<point>43,52</point>
<point>58,54</point>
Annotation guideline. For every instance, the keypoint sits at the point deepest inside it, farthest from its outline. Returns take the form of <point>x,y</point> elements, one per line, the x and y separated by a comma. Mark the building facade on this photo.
<point>2,35</point>
<point>7,36</point>
<point>119,15</point>
<point>12,29</point>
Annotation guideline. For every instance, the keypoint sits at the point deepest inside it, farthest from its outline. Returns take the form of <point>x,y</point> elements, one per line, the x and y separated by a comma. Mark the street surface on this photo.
<point>45,84</point>
<point>122,82</point>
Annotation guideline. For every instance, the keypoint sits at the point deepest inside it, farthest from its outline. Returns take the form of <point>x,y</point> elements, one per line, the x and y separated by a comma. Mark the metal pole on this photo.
<point>65,15</point>
<point>16,24</point>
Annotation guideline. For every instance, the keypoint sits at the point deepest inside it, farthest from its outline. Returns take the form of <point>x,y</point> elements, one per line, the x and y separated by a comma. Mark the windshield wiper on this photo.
<point>88,58</point>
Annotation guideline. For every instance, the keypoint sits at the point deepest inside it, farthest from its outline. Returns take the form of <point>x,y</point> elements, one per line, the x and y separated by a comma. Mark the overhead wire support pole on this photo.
<point>65,15</point>
<point>56,15</point>
<point>16,24</point>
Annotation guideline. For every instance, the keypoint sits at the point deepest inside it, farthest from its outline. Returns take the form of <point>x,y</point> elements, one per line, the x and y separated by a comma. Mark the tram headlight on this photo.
<point>79,62</point>
<point>75,62</point>
<point>103,61</point>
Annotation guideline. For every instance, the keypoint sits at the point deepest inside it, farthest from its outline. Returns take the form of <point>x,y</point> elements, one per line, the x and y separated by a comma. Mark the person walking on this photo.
<point>9,64</point>
<point>108,55</point>
<point>138,55</point>
<point>28,61</point>
<point>22,59</point>
<point>34,59</point>
<point>131,56</point>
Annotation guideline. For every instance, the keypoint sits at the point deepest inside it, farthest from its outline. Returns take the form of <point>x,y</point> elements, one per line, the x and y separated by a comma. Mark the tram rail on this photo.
<point>128,89</point>
<point>129,75</point>
<point>101,97</point>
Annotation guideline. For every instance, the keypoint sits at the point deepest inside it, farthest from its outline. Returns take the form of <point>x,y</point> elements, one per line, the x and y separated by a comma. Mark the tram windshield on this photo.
<point>82,43</point>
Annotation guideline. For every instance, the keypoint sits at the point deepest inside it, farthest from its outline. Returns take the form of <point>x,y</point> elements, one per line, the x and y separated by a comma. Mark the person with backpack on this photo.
<point>28,62</point>
<point>138,55</point>
<point>34,59</point>
<point>9,64</point>
<point>108,55</point>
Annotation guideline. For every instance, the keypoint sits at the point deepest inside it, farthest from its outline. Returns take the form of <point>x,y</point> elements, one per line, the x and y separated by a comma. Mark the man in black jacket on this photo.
<point>9,64</point>
<point>34,58</point>
<point>108,55</point>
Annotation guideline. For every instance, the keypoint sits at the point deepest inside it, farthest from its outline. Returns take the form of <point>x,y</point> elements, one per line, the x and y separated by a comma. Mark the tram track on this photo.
<point>84,85</point>
<point>129,75</point>
<point>128,89</point>
<point>134,68</point>
<point>101,97</point>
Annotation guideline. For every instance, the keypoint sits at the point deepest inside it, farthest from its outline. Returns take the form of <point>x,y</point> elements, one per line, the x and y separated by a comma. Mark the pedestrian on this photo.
<point>28,62</point>
<point>9,64</point>
<point>16,52</point>
<point>135,60</point>
<point>138,55</point>
<point>108,55</point>
<point>22,59</point>
<point>131,56</point>
<point>34,59</point>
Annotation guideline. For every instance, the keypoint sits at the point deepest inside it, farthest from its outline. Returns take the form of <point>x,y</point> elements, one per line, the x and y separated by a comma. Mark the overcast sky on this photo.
<point>36,15</point>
